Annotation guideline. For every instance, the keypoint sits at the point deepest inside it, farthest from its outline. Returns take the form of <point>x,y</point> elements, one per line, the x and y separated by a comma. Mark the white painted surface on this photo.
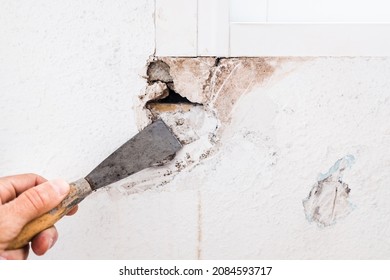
<point>272,27</point>
<point>246,201</point>
<point>68,81</point>
<point>248,10</point>
<point>346,11</point>
<point>68,76</point>
<point>213,28</point>
<point>309,39</point>
<point>282,135</point>
<point>176,27</point>
<point>336,11</point>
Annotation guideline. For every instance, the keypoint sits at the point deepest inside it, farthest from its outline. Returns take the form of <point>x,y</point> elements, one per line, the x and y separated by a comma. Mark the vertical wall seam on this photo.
<point>155,27</point>
<point>197,27</point>
<point>200,233</point>
<point>228,23</point>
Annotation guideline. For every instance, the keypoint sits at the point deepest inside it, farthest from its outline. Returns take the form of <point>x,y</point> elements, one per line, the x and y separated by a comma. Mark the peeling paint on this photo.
<point>328,198</point>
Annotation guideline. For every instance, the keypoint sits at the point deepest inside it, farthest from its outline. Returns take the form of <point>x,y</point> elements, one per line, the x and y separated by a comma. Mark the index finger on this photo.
<point>12,186</point>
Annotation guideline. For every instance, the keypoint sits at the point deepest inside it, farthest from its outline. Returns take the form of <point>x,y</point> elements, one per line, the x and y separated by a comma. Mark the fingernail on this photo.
<point>2,258</point>
<point>60,186</point>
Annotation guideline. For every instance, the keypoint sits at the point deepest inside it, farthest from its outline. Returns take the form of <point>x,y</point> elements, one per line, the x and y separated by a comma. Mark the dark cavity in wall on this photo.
<point>173,97</point>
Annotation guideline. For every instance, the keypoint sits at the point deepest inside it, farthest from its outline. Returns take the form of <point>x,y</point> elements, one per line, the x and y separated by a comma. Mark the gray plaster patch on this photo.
<point>328,198</point>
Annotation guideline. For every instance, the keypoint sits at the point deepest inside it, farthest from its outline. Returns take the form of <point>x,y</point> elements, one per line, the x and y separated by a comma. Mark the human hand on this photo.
<point>22,199</point>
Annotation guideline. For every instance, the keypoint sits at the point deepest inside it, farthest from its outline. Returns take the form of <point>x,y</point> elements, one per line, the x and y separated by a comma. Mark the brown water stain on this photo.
<point>234,77</point>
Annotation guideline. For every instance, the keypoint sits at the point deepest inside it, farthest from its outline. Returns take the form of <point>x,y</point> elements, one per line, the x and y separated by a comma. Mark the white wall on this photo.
<point>69,74</point>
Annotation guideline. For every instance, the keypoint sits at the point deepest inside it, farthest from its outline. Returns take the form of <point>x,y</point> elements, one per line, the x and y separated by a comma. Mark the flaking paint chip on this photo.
<point>328,198</point>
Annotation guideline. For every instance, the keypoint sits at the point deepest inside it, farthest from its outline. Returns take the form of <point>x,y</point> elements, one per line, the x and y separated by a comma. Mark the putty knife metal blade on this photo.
<point>154,145</point>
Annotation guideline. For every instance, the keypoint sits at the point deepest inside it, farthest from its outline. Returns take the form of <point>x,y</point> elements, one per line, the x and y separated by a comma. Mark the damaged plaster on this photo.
<point>238,197</point>
<point>214,83</point>
<point>239,194</point>
<point>195,97</point>
<point>328,198</point>
<point>254,170</point>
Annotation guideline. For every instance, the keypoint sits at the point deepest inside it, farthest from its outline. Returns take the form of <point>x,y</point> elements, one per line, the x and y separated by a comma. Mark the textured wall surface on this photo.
<point>290,158</point>
<point>68,74</point>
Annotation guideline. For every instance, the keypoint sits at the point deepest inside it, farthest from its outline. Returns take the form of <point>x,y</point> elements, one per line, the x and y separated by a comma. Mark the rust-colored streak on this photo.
<point>234,77</point>
<point>169,107</point>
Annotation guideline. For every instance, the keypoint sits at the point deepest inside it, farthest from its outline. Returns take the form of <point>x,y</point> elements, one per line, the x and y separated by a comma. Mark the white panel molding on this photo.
<point>336,11</point>
<point>248,10</point>
<point>205,28</point>
<point>327,39</point>
<point>176,27</point>
<point>213,27</point>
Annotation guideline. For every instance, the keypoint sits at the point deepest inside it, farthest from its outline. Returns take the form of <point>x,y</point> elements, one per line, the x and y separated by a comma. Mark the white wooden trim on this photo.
<point>176,27</point>
<point>213,27</point>
<point>202,28</point>
<point>337,11</point>
<point>328,39</point>
<point>249,10</point>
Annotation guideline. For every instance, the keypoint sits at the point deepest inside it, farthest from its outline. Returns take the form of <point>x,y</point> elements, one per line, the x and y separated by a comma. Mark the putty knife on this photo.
<point>154,145</point>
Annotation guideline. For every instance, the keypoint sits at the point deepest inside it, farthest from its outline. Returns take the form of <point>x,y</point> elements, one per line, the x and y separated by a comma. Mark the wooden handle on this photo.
<point>78,191</point>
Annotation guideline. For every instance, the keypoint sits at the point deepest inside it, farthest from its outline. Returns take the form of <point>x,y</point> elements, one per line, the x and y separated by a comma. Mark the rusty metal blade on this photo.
<point>154,145</point>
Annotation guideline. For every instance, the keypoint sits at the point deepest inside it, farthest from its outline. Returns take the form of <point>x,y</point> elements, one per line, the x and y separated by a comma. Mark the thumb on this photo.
<point>36,201</point>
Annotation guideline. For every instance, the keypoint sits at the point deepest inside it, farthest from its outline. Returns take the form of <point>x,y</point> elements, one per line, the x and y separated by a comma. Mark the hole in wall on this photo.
<point>159,71</point>
<point>171,98</point>
<point>188,120</point>
<point>195,97</point>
